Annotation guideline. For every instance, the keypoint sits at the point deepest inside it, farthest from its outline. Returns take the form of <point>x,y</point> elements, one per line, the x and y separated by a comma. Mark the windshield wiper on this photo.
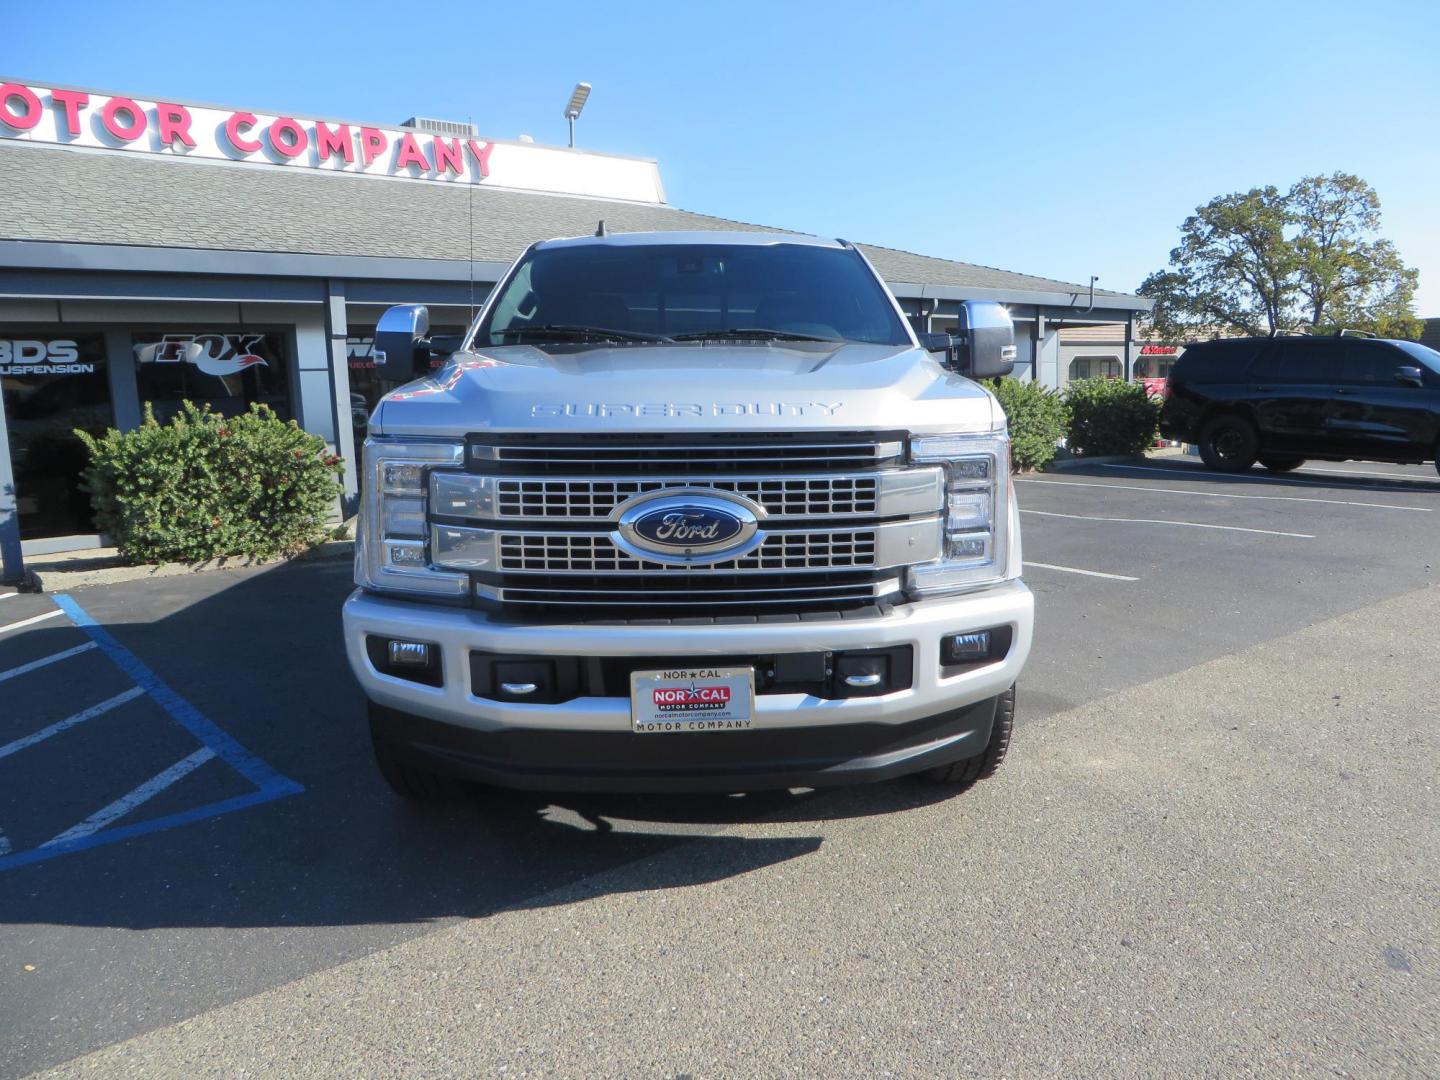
<point>580,333</point>
<point>758,333</point>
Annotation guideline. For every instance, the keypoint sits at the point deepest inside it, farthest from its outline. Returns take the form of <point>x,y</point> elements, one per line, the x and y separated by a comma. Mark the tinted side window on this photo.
<point>1369,363</point>
<point>1215,361</point>
<point>1294,360</point>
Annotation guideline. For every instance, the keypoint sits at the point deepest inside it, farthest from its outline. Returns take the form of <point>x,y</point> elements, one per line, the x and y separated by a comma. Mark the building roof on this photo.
<point>74,196</point>
<point>1431,334</point>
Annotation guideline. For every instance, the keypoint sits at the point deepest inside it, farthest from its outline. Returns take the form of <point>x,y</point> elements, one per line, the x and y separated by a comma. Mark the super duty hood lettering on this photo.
<point>558,410</point>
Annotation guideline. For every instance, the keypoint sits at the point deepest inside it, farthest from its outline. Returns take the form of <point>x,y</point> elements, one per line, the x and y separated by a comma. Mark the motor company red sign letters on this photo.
<point>83,118</point>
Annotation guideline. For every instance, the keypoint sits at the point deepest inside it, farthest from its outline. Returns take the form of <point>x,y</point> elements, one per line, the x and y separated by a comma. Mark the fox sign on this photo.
<point>70,117</point>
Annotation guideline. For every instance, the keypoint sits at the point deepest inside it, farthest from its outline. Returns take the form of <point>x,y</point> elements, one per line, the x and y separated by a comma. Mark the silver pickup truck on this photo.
<point>689,511</point>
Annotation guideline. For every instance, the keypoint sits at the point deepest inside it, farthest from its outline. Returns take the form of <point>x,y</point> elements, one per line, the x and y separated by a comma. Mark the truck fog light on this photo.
<point>409,653</point>
<point>965,648</point>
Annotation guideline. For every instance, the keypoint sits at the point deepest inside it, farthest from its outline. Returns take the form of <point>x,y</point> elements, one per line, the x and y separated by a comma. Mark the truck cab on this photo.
<point>689,511</point>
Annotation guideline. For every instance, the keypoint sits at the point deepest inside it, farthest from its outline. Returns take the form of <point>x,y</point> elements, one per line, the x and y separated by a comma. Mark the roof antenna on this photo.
<point>600,229</point>
<point>470,228</point>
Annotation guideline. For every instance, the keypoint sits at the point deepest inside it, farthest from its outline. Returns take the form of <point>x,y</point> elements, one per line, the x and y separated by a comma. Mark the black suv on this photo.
<point>1281,400</point>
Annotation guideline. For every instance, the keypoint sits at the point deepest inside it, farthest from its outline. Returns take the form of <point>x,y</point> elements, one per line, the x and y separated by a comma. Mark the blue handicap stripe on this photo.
<point>186,715</point>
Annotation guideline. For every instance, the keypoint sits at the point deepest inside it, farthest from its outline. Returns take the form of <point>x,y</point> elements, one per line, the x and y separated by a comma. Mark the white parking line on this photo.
<point>1077,570</point>
<point>7,595</point>
<point>144,793</point>
<point>1292,479</point>
<point>53,658</point>
<point>1360,472</point>
<point>1161,521</point>
<point>70,721</point>
<point>1222,494</point>
<point>31,621</point>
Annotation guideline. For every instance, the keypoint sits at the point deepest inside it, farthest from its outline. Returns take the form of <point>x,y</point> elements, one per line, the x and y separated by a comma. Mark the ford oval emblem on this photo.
<point>688,527</point>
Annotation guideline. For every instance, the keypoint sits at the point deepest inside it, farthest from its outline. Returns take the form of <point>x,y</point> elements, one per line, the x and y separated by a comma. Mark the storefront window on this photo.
<point>1094,367</point>
<point>227,371</point>
<point>53,383</point>
<point>1154,367</point>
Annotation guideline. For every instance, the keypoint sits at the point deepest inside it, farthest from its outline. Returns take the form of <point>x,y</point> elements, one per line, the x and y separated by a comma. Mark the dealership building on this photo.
<point>153,251</point>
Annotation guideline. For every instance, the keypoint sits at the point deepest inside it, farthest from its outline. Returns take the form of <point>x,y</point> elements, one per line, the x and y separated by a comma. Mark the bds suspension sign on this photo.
<point>83,118</point>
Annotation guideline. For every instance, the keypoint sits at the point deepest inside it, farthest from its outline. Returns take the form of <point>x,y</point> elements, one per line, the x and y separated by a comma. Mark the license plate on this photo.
<point>692,699</point>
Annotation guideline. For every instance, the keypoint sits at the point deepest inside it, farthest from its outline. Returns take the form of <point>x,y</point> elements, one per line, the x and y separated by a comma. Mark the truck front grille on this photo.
<point>533,520</point>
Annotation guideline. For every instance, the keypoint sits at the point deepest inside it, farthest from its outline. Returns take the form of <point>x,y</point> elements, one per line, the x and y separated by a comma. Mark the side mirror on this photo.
<point>1409,375</point>
<point>986,340</point>
<point>402,346</point>
<point>936,342</point>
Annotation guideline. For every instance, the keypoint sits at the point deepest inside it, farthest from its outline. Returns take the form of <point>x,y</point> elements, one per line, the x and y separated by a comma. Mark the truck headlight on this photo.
<point>977,512</point>
<point>392,551</point>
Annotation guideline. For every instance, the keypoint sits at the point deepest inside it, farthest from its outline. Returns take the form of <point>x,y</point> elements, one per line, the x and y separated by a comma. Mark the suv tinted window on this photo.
<point>1216,361</point>
<point>1415,353</point>
<point>1300,360</point>
<point>1369,362</point>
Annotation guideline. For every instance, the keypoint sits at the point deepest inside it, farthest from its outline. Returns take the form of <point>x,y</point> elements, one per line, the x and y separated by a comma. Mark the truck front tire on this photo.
<point>969,772</point>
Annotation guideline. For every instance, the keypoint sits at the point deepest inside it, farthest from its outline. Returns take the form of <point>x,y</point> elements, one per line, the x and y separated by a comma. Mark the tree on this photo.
<point>1262,260</point>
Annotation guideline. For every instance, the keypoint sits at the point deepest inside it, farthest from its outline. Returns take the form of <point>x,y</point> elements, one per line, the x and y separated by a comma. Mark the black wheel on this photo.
<point>1229,444</point>
<point>966,774</point>
<point>1280,463</point>
<point>412,784</point>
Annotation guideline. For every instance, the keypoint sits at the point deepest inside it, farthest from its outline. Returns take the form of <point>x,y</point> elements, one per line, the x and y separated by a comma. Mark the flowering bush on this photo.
<point>206,485</point>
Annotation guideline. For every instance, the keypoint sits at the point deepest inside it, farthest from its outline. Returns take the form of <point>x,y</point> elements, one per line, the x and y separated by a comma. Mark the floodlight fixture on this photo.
<point>575,105</point>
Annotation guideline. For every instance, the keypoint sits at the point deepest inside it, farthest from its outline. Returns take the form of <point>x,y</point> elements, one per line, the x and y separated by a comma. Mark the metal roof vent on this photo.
<point>452,128</point>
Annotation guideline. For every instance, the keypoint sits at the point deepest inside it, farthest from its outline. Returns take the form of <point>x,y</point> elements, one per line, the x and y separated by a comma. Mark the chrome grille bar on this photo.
<point>893,544</point>
<point>695,600</point>
<point>887,494</point>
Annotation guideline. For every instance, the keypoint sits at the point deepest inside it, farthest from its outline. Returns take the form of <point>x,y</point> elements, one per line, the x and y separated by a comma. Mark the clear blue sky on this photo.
<point>1062,139</point>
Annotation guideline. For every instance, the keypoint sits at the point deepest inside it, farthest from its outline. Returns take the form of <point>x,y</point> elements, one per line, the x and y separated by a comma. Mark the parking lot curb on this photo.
<point>54,580</point>
<point>1061,464</point>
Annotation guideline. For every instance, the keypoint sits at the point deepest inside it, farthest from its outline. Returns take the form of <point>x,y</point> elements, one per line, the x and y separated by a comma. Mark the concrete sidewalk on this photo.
<point>1228,871</point>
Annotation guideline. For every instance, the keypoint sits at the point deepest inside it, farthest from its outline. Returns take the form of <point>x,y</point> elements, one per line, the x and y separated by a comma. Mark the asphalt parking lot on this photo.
<point>1213,851</point>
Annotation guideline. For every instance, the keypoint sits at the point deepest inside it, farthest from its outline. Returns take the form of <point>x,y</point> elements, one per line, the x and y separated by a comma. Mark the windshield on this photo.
<point>665,292</point>
<point>1423,353</point>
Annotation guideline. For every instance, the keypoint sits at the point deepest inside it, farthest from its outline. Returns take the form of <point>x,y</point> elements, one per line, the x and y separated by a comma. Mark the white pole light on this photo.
<point>576,103</point>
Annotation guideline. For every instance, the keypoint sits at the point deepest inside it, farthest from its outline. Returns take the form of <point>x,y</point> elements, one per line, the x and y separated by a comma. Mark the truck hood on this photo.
<point>764,386</point>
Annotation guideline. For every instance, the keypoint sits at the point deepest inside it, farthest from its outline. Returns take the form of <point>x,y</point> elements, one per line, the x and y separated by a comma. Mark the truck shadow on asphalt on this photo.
<point>259,654</point>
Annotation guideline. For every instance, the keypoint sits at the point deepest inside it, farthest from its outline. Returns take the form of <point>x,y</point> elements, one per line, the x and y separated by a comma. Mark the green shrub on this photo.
<point>1038,420</point>
<point>205,486</point>
<point>1108,416</point>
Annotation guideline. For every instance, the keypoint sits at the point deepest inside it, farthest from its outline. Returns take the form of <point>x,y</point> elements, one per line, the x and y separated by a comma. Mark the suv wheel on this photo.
<point>1278,463</point>
<point>966,774</point>
<point>412,784</point>
<point>1229,444</point>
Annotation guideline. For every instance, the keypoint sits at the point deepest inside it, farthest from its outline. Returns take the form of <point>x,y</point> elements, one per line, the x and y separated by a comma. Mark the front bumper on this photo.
<point>587,742</point>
